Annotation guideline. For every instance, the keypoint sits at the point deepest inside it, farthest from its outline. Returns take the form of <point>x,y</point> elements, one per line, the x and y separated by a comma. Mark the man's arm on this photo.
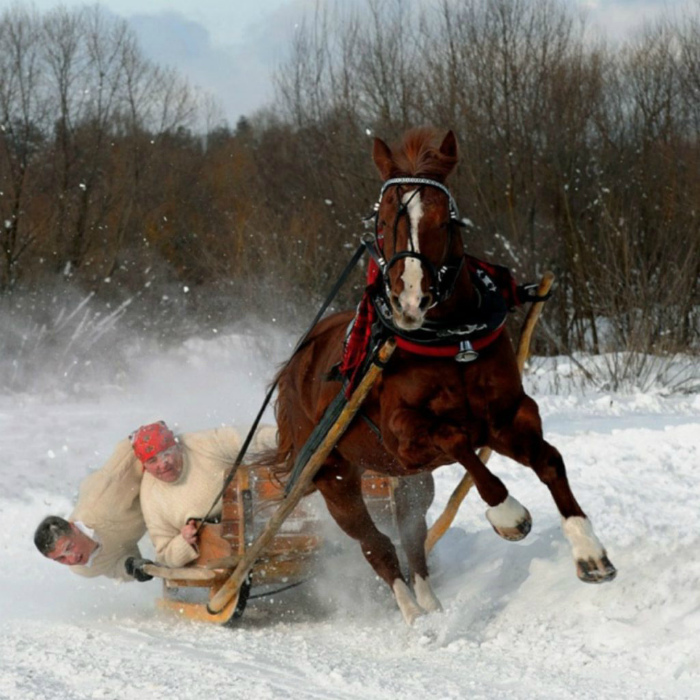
<point>172,549</point>
<point>111,560</point>
<point>225,443</point>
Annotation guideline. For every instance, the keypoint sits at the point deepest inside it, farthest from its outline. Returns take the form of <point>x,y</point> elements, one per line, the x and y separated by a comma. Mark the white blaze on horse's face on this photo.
<point>409,312</point>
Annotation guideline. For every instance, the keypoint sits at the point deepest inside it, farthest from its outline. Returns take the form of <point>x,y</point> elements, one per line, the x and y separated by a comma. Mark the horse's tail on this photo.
<point>280,459</point>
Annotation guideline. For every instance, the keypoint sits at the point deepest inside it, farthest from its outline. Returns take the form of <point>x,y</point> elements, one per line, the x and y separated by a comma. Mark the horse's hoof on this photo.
<point>410,616</point>
<point>592,571</point>
<point>517,533</point>
<point>425,596</point>
<point>510,520</point>
<point>408,606</point>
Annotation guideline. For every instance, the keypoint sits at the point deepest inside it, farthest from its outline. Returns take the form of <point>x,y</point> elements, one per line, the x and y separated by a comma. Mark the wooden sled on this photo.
<point>293,555</point>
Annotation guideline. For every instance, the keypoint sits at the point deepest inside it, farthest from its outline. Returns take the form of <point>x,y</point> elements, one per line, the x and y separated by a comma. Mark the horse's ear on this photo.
<point>381,154</point>
<point>448,147</point>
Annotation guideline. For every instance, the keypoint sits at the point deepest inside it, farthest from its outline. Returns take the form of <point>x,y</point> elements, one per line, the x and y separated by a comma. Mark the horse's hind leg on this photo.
<point>413,496</point>
<point>521,439</point>
<point>340,487</point>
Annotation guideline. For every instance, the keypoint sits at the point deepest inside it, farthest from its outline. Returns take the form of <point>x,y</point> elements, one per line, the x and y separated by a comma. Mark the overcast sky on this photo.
<point>231,47</point>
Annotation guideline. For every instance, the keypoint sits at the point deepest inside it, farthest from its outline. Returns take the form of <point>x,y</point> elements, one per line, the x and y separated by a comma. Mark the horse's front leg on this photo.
<point>508,517</point>
<point>340,487</point>
<point>413,496</point>
<point>521,439</point>
<point>420,441</point>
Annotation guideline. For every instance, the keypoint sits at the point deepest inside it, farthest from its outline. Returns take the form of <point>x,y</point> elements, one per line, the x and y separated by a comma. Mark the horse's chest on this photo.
<point>436,392</point>
<point>446,399</point>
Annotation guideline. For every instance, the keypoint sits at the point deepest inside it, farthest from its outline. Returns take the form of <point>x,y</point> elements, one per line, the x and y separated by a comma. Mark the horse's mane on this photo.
<point>418,155</point>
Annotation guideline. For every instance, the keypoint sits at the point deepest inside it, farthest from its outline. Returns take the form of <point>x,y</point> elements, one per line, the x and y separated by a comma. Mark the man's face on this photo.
<point>73,549</point>
<point>166,465</point>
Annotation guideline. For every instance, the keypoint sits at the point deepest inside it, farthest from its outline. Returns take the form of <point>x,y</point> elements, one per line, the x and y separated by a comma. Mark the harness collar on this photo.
<point>464,351</point>
<point>447,339</point>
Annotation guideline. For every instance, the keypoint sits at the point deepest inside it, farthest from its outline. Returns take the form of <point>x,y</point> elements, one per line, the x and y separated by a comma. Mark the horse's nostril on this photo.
<point>425,301</point>
<point>395,301</point>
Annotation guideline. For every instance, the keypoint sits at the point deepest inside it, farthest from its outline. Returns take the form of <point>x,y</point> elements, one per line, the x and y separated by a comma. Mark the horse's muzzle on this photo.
<point>407,320</point>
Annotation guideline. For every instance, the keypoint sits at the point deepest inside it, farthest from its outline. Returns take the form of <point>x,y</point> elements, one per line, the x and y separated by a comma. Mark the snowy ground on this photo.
<point>517,622</point>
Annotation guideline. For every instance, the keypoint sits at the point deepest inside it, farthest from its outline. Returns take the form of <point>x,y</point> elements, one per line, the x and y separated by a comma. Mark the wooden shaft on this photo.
<point>233,583</point>
<point>531,319</point>
<point>184,573</point>
<point>441,525</point>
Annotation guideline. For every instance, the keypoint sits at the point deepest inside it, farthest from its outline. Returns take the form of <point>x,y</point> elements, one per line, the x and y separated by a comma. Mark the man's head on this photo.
<point>62,541</point>
<point>157,449</point>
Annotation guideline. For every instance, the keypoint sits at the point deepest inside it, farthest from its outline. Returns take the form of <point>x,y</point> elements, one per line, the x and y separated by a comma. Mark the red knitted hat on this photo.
<point>150,440</point>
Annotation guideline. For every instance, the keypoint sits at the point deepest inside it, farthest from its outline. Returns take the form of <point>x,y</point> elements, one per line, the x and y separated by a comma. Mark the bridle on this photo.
<point>443,276</point>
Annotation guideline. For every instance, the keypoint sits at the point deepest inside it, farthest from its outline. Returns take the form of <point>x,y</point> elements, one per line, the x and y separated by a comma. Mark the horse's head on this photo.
<point>420,252</point>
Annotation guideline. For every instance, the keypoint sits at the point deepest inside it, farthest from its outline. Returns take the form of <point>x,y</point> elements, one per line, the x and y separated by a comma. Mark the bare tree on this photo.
<point>23,113</point>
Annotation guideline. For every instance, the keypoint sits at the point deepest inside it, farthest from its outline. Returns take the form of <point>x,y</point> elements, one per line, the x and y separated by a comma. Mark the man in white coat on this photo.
<point>181,484</point>
<point>102,532</point>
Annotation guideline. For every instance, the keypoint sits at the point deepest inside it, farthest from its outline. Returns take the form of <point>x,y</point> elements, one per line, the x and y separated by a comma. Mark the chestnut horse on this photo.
<point>429,411</point>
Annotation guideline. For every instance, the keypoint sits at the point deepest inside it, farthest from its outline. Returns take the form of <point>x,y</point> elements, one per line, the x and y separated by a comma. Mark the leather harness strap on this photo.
<point>465,351</point>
